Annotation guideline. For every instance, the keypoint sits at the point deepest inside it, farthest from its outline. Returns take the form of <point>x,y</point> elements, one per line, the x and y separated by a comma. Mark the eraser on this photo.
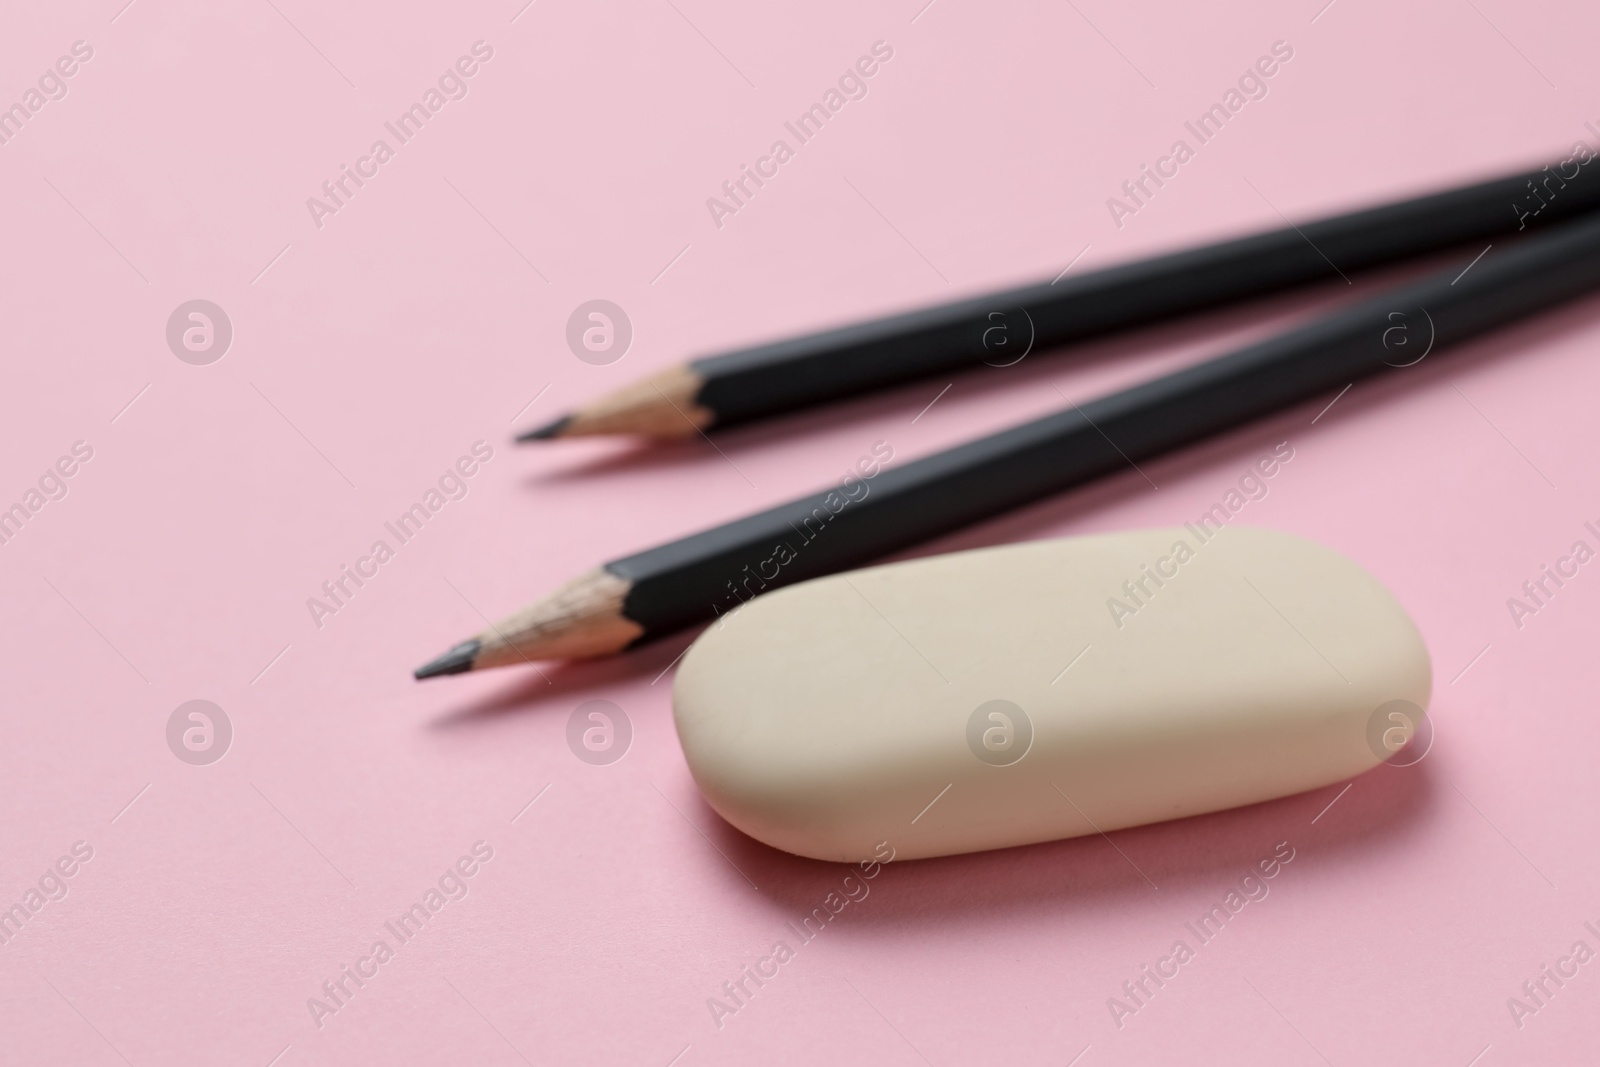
<point>1046,690</point>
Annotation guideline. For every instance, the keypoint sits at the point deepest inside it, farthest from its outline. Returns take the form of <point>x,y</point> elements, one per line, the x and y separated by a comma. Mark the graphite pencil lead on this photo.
<point>581,619</point>
<point>665,405</point>
<point>456,661</point>
<point>549,431</point>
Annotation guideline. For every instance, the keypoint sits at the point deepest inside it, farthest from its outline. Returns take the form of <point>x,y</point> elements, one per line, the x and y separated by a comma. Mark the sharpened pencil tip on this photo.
<point>548,431</point>
<point>456,661</point>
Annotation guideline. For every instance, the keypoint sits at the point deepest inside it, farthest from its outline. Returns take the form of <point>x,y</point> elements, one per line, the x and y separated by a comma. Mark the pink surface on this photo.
<point>429,312</point>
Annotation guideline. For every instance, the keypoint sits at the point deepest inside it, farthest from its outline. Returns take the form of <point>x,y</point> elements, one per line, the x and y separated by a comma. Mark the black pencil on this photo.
<point>999,329</point>
<point>691,580</point>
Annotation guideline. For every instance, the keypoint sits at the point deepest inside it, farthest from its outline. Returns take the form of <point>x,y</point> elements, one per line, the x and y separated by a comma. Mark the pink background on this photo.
<point>370,353</point>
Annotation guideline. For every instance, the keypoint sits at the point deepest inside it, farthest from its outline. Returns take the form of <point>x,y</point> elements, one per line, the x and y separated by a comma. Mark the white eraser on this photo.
<point>1045,690</point>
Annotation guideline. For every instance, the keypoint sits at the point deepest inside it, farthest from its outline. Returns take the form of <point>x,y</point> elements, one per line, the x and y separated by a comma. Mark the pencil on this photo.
<point>691,580</point>
<point>1001,328</point>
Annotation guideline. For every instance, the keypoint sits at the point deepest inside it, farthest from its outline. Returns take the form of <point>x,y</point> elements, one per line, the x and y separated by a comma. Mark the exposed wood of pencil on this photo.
<point>582,618</point>
<point>663,405</point>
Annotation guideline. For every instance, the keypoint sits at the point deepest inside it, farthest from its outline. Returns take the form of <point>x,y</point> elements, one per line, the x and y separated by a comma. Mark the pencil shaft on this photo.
<point>1000,328</point>
<point>693,579</point>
